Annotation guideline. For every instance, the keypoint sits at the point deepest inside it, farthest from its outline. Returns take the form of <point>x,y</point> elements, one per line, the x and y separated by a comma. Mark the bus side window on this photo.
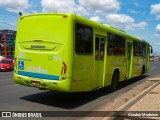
<point>83,39</point>
<point>137,48</point>
<point>110,44</point>
<point>115,45</point>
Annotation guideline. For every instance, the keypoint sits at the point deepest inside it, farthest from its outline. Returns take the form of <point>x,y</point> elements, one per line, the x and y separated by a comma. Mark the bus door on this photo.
<point>99,61</point>
<point>144,55</point>
<point>128,59</point>
<point>147,58</point>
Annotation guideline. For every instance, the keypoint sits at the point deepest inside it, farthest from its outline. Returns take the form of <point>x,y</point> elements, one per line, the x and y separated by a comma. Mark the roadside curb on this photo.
<point>131,102</point>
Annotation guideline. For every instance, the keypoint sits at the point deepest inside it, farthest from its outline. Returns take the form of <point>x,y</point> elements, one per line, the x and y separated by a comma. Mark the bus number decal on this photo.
<point>55,58</point>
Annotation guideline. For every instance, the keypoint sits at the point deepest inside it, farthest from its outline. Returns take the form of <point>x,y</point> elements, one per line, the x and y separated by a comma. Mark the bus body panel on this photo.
<point>112,63</point>
<point>46,55</point>
<point>42,55</point>
<point>82,73</point>
<point>137,66</point>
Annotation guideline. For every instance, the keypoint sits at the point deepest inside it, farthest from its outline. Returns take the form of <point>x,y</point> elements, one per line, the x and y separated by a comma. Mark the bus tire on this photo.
<point>115,81</point>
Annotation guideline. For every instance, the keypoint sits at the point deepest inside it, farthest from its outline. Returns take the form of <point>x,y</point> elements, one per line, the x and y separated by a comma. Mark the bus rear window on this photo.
<point>47,28</point>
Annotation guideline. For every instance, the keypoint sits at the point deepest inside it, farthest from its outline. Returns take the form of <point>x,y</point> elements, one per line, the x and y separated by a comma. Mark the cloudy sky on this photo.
<point>140,18</point>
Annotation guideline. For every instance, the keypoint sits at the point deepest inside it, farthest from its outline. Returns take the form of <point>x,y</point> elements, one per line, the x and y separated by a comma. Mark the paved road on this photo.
<point>20,98</point>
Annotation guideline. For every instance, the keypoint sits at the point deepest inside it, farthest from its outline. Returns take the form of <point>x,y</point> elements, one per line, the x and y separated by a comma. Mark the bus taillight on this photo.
<point>65,67</point>
<point>65,16</point>
<point>64,70</point>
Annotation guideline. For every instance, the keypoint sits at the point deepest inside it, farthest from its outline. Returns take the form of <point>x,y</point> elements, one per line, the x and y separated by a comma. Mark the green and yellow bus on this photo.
<point>69,53</point>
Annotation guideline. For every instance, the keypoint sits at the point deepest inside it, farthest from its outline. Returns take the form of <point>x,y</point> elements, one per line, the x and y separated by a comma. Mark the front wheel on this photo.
<point>115,81</point>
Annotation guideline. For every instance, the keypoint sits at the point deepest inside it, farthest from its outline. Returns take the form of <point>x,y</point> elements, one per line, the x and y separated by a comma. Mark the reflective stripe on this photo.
<point>38,75</point>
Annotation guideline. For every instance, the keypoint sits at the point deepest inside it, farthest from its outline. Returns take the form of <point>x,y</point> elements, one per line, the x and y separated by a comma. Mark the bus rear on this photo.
<point>43,52</point>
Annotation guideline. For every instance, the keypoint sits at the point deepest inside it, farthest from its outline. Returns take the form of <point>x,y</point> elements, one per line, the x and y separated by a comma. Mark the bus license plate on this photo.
<point>36,83</point>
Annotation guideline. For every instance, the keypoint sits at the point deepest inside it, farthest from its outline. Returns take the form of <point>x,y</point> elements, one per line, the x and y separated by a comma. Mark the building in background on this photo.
<point>7,43</point>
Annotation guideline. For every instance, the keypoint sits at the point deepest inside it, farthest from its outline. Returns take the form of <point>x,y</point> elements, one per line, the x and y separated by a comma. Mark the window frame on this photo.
<point>115,43</point>
<point>137,48</point>
<point>83,41</point>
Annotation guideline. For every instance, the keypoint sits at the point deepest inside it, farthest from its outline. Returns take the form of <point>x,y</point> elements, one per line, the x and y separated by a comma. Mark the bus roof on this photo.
<point>105,27</point>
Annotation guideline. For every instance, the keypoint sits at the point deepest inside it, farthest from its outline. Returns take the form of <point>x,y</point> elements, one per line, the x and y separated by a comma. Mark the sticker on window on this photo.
<point>21,65</point>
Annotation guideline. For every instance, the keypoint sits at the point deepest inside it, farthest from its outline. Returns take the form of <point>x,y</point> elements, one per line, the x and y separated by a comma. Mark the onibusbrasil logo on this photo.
<point>21,114</point>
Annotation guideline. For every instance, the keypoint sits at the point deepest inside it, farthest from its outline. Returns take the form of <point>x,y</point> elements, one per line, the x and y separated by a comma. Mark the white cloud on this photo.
<point>119,19</point>
<point>34,11</point>
<point>100,6</point>
<point>157,43</point>
<point>157,31</point>
<point>124,22</point>
<point>135,26</point>
<point>58,5</point>
<point>158,27</point>
<point>62,6</point>
<point>96,19</point>
<point>83,7</point>
<point>11,25</point>
<point>155,10</point>
<point>15,6</point>
<point>157,35</point>
<point>137,12</point>
<point>136,4</point>
<point>158,17</point>
<point>133,11</point>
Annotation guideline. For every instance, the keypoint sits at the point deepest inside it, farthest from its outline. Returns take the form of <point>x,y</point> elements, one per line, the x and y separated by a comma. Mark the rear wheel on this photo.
<point>115,81</point>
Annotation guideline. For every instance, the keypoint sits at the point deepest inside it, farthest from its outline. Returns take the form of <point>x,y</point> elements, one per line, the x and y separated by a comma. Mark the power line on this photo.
<point>149,21</point>
<point>8,13</point>
<point>9,7</point>
<point>1,27</point>
<point>153,21</point>
<point>17,9</point>
<point>8,24</point>
<point>4,27</point>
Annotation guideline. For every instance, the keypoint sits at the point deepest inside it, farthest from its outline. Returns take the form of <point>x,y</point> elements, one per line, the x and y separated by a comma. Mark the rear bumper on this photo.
<point>57,85</point>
